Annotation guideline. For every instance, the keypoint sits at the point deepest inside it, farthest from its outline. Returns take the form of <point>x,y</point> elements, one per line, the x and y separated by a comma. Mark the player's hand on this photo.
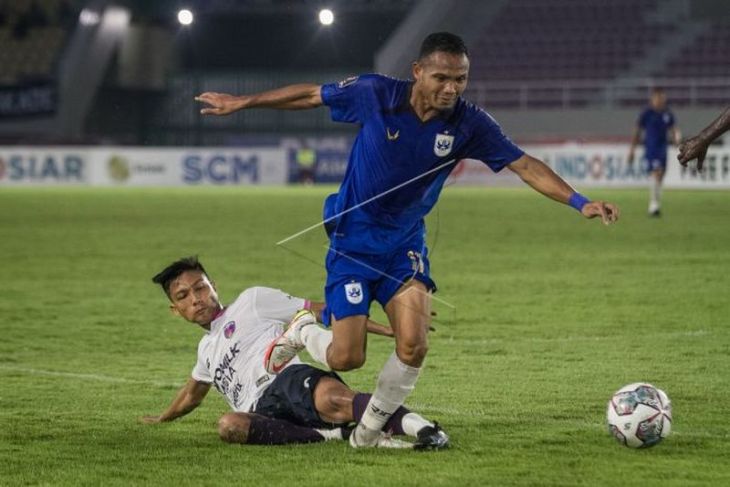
<point>693,148</point>
<point>607,211</point>
<point>220,103</point>
<point>378,329</point>
<point>150,419</point>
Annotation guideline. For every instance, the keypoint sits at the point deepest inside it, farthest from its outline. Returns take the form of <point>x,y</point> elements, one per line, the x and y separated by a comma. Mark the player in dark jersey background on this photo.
<point>412,134</point>
<point>655,122</point>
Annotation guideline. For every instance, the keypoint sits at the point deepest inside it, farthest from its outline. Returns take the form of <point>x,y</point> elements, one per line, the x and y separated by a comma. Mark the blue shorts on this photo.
<point>355,280</point>
<point>655,162</point>
<point>291,396</point>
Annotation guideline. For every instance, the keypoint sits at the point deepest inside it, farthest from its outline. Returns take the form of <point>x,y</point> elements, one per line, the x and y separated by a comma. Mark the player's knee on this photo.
<point>346,361</point>
<point>233,427</point>
<point>412,353</point>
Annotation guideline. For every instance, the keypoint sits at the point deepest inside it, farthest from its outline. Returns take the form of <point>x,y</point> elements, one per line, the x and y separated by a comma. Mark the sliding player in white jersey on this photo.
<point>300,404</point>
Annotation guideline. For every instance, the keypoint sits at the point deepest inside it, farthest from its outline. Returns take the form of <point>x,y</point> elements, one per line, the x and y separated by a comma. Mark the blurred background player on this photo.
<point>412,133</point>
<point>655,122</point>
<point>306,160</point>
<point>696,147</point>
<point>301,404</point>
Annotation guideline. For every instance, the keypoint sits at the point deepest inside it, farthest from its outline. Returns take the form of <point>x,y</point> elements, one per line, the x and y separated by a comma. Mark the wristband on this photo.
<point>578,201</point>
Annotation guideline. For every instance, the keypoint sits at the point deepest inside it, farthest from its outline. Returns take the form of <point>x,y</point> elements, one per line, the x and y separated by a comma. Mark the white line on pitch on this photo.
<point>94,377</point>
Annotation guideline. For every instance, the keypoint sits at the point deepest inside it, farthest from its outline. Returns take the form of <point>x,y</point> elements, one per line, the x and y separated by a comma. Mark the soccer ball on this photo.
<point>639,415</point>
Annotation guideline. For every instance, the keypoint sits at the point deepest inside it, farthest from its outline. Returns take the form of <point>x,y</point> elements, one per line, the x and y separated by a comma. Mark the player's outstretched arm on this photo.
<point>292,97</point>
<point>696,147</point>
<point>187,399</point>
<point>542,179</point>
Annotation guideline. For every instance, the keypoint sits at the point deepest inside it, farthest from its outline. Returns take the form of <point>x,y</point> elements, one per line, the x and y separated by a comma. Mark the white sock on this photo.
<point>395,383</point>
<point>317,340</point>
<point>656,194</point>
<point>412,423</point>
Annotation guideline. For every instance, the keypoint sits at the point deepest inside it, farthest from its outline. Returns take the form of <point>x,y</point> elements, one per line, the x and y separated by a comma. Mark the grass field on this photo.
<point>544,315</point>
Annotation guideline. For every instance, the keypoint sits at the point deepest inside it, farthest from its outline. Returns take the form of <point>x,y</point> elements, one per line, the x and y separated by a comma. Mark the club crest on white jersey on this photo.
<point>353,291</point>
<point>443,144</point>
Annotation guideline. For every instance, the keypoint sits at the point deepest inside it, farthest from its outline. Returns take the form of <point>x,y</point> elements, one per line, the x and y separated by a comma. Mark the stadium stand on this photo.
<point>535,40</point>
<point>32,33</point>
<point>707,57</point>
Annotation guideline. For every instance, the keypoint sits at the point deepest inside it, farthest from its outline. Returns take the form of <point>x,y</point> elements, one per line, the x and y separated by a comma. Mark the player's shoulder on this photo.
<point>257,294</point>
<point>252,293</point>
<point>471,116</point>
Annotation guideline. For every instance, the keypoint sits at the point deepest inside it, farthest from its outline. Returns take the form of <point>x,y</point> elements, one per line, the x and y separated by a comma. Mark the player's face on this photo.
<point>658,100</point>
<point>194,298</point>
<point>441,78</point>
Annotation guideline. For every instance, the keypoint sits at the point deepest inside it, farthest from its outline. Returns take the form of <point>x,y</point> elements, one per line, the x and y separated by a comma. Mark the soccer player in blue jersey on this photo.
<point>655,122</point>
<point>412,134</point>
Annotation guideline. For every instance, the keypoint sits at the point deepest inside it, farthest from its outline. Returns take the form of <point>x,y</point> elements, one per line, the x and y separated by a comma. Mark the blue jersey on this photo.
<point>398,163</point>
<point>655,125</point>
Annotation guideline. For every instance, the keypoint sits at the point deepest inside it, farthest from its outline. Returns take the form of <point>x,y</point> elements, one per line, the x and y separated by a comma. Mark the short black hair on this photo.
<point>442,42</point>
<point>165,277</point>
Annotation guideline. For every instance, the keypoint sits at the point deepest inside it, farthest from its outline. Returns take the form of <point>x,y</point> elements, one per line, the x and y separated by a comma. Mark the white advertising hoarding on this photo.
<point>603,165</point>
<point>582,165</point>
<point>125,166</point>
<point>53,166</point>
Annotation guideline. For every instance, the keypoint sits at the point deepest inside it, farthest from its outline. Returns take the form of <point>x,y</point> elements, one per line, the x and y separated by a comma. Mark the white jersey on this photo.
<point>231,354</point>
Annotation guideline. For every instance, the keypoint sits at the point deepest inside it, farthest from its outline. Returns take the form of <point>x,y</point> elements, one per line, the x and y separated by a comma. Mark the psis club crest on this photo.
<point>443,144</point>
<point>353,291</point>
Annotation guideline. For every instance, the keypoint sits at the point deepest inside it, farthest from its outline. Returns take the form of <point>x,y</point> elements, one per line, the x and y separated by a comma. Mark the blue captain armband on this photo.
<point>578,201</point>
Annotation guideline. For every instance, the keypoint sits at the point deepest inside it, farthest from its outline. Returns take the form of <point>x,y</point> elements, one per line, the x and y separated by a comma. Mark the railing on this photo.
<point>595,94</point>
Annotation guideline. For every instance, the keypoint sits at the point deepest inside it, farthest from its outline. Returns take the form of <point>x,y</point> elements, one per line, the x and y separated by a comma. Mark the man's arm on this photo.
<point>635,139</point>
<point>542,179</point>
<point>187,399</point>
<point>676,135</point>
<point>292,97</point>
<point>696,147</point>
<point>372,326</point>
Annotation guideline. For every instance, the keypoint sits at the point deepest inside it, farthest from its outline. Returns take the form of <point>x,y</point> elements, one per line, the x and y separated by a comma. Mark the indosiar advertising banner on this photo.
<point>44,166</point>
<point>582,165</point>
<point>603,165</point>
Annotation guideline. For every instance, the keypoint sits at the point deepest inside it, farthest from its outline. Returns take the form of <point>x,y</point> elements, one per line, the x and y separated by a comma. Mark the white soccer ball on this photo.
<point>639,415</point>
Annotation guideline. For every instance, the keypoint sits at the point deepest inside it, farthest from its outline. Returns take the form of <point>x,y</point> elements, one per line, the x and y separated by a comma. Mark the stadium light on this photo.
<point>185,17</point>
<point>88,17</point>
<point>326,16</point>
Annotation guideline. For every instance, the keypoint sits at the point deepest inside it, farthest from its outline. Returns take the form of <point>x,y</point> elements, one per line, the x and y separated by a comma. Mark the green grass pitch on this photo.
<point>541,316</point>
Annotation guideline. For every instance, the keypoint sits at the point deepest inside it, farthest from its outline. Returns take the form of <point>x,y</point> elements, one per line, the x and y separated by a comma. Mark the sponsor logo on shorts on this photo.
<point>353,291</point>
<point>229,329</point>
<point>416,261</point>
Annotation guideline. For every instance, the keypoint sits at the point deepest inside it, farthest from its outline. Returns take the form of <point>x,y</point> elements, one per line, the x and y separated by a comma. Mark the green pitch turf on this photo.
<point>542,315</point>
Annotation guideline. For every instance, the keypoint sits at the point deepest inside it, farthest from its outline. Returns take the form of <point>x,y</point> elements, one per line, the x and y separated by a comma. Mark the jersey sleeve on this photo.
<point>352,99</point>
<point>277,305</point>
<point>200,371</point>
<point>490,145</point>
<point>643,119</point>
